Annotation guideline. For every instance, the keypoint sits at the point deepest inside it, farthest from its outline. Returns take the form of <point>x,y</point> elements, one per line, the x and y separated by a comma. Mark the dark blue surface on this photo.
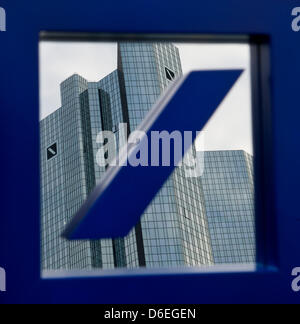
<point>19,104</point>
<point>118,202</point>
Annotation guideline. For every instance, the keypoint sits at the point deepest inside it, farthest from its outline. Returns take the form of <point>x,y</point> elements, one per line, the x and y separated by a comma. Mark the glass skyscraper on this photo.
<point>228,191</point>
<point>192,221</point>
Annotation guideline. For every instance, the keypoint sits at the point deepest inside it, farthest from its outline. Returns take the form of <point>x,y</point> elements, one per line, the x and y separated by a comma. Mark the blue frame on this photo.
<point>277,150</point>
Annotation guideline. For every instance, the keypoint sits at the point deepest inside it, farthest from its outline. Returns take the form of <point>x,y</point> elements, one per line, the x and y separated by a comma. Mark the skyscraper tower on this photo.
<point>174,231</point>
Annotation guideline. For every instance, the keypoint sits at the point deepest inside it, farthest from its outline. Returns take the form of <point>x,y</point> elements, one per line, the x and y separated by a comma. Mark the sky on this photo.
<point>230,128</point>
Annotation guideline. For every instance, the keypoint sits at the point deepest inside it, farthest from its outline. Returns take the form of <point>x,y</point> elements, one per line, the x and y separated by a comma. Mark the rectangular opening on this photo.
<point>204,215</point>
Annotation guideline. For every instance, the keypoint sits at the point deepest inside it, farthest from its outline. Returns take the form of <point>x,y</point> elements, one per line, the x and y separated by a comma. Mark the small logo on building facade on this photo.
<point>170,74</point>
<point>2,20</point>
<point>2,280</point>
<point>296,281</point>
<point>51,151</point>
<point>296,20</point>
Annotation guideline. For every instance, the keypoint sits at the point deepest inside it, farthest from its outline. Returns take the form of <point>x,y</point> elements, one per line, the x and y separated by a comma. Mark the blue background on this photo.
<point>19,109</point>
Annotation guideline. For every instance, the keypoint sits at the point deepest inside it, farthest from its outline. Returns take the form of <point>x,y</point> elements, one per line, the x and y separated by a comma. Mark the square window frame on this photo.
<point>271,279</point>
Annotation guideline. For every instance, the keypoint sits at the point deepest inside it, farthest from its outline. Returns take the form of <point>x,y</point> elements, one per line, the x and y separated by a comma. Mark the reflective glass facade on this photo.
<point>229,201</point>
<point>180,226</point>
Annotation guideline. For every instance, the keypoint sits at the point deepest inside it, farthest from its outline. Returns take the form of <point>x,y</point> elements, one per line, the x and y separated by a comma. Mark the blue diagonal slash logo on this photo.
<point>118,202</point>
